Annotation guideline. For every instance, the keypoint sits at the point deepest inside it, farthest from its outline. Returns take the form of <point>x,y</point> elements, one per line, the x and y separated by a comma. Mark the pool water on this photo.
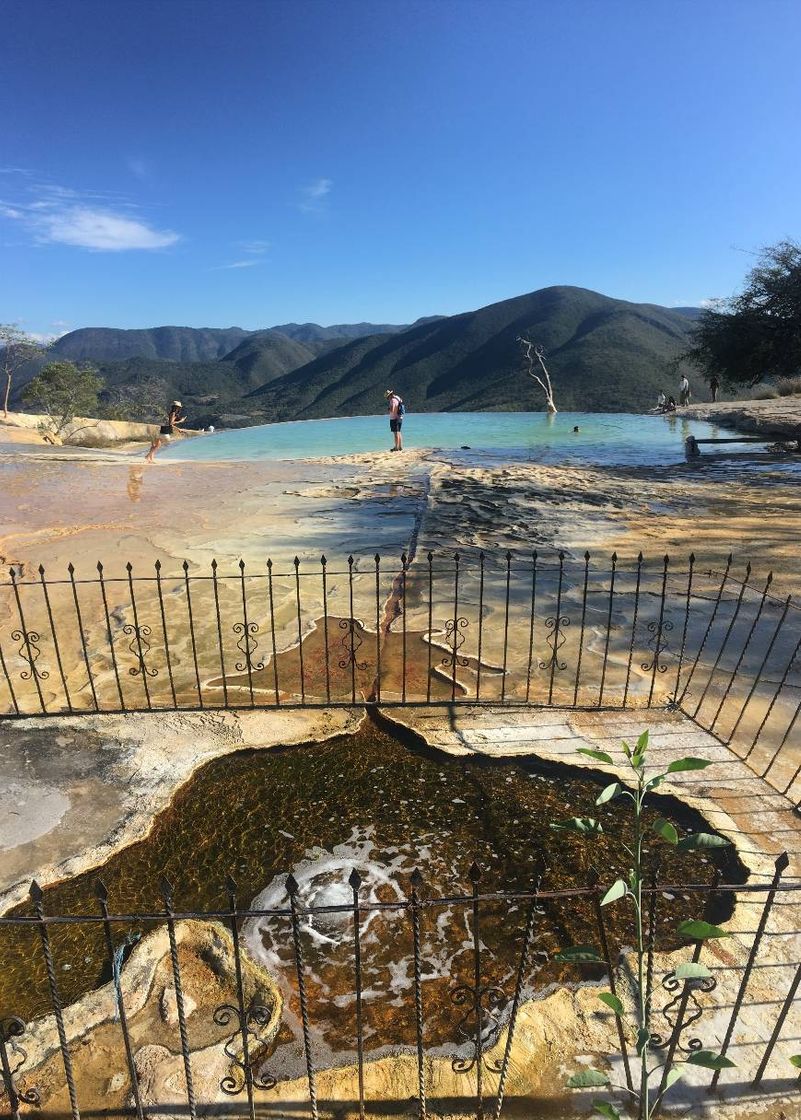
<point>603,438</point>
<point>383,805</point>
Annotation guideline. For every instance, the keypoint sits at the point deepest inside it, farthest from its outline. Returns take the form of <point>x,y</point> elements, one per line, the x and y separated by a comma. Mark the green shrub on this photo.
<point>765,393</point>
<point>789,386</point>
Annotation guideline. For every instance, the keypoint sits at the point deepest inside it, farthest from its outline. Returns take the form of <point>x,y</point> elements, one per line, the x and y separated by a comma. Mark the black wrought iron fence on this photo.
<point>451,1023</point>
<point>544,630</point>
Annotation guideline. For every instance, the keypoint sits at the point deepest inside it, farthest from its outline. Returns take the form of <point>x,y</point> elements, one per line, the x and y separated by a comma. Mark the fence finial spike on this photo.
<point>165,886</point>
<point>639,558</point>
<point>41,570</point>
<point>241,565</point>
<point>291,885</point>
<point>214,565</point>
<point>71,568</point>
<point>185,565</point>
<point>377,559</point>
<point>769,580</point>
<point>587,555</point>
<point>129,567</point>
<point>592,877</point>
<point>350,561</point>
<point>614,558</point>
<point>782,862</point>
<point>296,561</point>
<point>416,878</point>
<point>101,890</point>
<point>230,885</point>
<point>355,879</point>
<point>323,560</point>
<point>35,891</point>
<point>474,873</point>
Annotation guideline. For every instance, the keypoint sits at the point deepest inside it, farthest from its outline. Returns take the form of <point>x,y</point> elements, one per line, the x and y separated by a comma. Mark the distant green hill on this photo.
<point>172,344</point>
<point>604,355</point>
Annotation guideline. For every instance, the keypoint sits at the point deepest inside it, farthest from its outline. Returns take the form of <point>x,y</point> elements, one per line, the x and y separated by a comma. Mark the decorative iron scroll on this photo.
<point>480,1022</point>
<point>672,1013</point>
<point>246,645</point>
<point>351,642</point>
<point>10,1029</point>
<point>139,646</point>
<point>257,1016</point>
<point>555,639</point>
<point>29,651</point>
<point>454,638</point>
<point>658,644</point>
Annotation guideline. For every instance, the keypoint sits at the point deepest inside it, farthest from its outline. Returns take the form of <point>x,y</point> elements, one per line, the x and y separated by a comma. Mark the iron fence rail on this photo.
<point>481,628</point>
<point>486,1007</point>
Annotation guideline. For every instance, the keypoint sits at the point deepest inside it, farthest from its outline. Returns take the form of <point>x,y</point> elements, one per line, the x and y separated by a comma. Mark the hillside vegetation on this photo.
<point>604,355</point>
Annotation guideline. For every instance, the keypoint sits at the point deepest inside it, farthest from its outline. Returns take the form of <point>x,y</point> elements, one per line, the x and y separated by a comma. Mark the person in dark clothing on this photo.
<point>166,431</point>
<point>714,386</point>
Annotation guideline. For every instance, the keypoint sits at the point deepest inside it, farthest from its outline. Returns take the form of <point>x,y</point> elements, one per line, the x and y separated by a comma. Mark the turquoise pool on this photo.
<point>613,438</point>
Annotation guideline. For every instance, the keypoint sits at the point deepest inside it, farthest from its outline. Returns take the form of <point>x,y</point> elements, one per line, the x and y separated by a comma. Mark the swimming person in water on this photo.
<point>396,411</point>
<point>166,431</point>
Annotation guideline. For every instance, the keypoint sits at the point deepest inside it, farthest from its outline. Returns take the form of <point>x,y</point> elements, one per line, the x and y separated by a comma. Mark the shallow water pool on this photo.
<point>603,438</point>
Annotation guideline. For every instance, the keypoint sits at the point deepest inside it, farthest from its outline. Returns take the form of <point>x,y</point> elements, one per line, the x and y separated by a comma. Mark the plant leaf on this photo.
<point>642,743</point>
<point>672,1077</point>
<point>688,763</point>
<point>699,841</point>
<point>643,1038</point>
<point>666,830</point>
<point>692,970</point>
<point>611,1001</point>
<point>604,1108</point>
<point>709,1060</point>
<point>796,1061</point>
<point>616,891</point>
<point>626,749</point>
<point>609,794</point>
<point>585,826</point>
<point>599,756</point>
<point>579,954</point>
<point>587,1079</point>
<point>655,781</point>
<point>696,930</point>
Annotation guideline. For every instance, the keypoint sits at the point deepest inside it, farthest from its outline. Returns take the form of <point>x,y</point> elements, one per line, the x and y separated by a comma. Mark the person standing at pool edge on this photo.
<point>396,410</point>
<point>166,431</point>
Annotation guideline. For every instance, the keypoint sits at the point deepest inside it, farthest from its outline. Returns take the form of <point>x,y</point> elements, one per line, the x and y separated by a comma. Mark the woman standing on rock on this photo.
<point>166,431</point>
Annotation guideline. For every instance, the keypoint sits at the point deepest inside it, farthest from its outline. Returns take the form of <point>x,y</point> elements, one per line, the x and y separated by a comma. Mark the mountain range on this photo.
<point>603,354</point>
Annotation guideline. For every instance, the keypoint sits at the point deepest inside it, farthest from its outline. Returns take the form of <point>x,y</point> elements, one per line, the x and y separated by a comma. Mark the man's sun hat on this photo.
<point>178,403</point>
<point>389,392</point>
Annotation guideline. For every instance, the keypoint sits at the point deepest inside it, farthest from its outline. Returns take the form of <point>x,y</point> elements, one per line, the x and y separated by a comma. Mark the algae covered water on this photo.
<point>383,807</point>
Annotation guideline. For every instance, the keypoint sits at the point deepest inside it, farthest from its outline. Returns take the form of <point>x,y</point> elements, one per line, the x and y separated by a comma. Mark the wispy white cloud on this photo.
<point>237,264</point>
<point>314,197</point>
<point>56,215</point>
<point>256,247</point>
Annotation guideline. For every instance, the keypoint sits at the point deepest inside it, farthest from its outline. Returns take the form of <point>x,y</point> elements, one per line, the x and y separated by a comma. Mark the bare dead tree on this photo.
<point>534,357</point>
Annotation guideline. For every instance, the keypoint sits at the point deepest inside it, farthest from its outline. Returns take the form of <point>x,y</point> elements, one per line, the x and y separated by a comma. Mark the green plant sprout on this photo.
<point>648,1096</point>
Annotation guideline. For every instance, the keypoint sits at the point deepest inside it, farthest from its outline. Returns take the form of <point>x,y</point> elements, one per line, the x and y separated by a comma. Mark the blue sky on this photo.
<point>241,163</point>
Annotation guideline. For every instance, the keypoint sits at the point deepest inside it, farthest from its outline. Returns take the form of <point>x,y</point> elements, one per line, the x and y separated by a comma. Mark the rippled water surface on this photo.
<point>612,438</point>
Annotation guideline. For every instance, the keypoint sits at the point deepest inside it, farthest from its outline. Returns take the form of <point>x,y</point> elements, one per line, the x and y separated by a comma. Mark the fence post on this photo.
<point>272,630</point>
<point>355,882</point>
<point>110,636</point>
<point>219,630</point>
<point>101,893</point>
<point>29,638</point>
<point>781,865</point>
<point>46,594</point>
<point>166,894</point>
<point>480,622</point>
<point>417,882</point>
<point>185,567</point>
<point>37,896</point>
<point>160,593</point>
<point>378,629</point>
<point>323,569</point>
<point>531,623</point>
<point>633,630</point>
<point>743,651</point>
<point>608,628</point>
<point>725,641</point>
<point>506,625</point>
<point>660,626</point>
<point>292,891</point>
<point>709,624</point>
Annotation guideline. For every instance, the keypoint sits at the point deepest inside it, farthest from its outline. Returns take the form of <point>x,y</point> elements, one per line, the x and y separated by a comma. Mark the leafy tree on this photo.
<point>143,401</point>
<point>756,334</point>
<point>63,391</point>
<point>16,348</point>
